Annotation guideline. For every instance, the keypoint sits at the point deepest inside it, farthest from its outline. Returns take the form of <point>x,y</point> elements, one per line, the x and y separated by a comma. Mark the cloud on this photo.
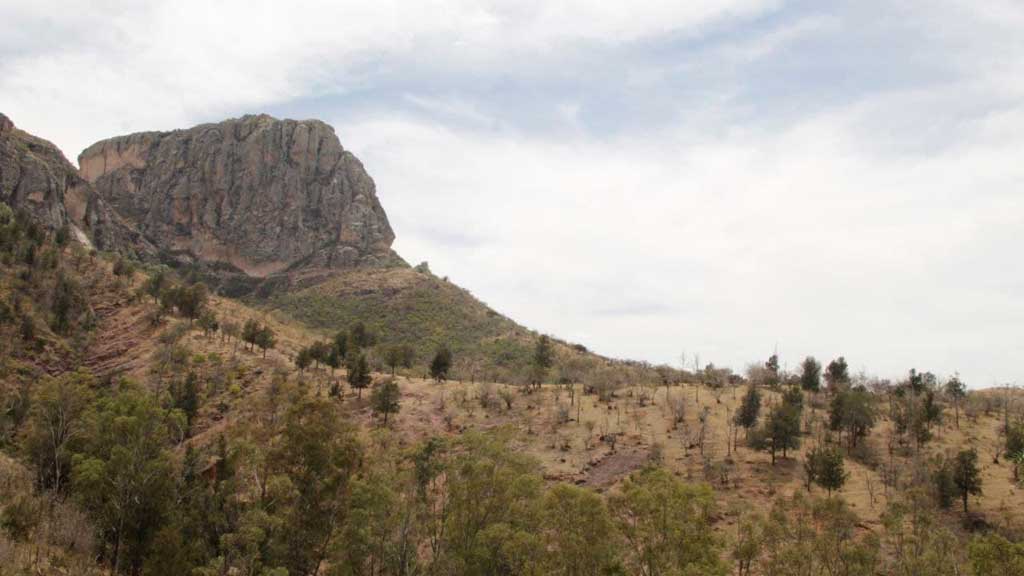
<point>723,177</point>
<point>109,67</point>
<point>804,239</point>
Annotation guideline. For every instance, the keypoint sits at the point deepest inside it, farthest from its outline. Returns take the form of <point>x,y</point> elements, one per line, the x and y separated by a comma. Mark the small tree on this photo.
<point>945,487</point>
<point>772,370</point>
<point>829,473</point>
<point>385,398</point>
<point>341,344</point>
<point>441,364</point>
<point>266,339</point>
<point>393,357</point>
<point>543,359</point>
<point>746,416</point>
<point>303,359</point>
<point>157,284</point>
<point>1015,445</point>
<point>359,373</point>
<point>189,400</point>
<point>966,475</point>
<point>956,391</point>
<point>361,335</point>
<point>837,373</point>
<point>192,301</point>
<point>250,332</point>
<point>810,374</point>
<point>781,431</point>
<point>208,322</point>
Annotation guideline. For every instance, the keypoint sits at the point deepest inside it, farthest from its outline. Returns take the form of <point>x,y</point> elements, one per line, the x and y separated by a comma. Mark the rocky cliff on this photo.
<point>36,177</point>
<point>261,194</point>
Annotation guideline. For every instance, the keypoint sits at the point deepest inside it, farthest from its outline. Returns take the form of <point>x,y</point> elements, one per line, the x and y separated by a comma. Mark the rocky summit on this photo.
<point>259,194</point>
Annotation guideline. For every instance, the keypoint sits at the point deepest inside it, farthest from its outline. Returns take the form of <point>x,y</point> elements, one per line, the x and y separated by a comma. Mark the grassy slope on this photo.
<point>404,306</point>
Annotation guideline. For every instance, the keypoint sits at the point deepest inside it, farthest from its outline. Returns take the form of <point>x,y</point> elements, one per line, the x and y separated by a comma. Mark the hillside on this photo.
<point>407,306</point>
<point>152,426</point>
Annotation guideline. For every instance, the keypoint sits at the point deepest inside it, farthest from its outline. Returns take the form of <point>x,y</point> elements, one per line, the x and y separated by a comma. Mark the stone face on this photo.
<point>261,194</point>
<point>36,177</point>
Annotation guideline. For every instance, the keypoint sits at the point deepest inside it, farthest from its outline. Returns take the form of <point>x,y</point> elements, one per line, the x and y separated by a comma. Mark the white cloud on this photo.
<point>804,239</point>
<point>110,67</point>
<point>728,210</point>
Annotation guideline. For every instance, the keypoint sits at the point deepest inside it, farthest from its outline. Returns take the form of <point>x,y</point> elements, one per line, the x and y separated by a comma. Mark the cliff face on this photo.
<point>255,192</point>
<point>36,177</point>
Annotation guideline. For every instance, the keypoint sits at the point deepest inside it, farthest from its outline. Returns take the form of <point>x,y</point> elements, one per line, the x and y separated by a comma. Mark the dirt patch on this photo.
<point>613,467</point>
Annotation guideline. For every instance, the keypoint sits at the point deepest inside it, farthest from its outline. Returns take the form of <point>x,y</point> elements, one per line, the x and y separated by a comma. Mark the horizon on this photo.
<point>728,178</point>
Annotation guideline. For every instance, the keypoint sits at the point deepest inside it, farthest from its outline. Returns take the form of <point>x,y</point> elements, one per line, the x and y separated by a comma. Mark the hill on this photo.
<point>151,426</point>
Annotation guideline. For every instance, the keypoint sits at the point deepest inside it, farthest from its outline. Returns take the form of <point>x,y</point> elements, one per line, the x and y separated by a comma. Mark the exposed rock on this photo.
<point>260,194</point>
<point>36,177</point>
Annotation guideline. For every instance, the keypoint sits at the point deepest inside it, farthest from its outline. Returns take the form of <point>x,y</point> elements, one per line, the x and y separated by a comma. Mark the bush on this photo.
<point>20,517</point>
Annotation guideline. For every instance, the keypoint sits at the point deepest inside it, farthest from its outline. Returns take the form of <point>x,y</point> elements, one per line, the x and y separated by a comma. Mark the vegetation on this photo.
<point>191,456</point>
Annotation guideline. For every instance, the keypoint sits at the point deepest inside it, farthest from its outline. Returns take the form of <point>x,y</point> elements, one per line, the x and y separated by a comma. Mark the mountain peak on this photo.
<point>255,192</point>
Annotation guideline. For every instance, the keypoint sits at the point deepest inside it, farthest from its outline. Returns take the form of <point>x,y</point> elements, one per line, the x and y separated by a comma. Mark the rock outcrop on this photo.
<point>261,194</point>
<point>36,177</point>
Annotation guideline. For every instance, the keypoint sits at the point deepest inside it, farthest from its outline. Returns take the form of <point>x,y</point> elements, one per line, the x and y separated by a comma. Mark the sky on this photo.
<point>715,178</point>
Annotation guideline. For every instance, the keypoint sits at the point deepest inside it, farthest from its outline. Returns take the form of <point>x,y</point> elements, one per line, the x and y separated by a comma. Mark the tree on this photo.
<point>781,431</point>
<point>156,284</point>
<point>315,458</point>
<point>341,344</point>
<point>666,525</point>
<point>956,390</point>
<point>55,426</point>
<point>393,357</point>
<point>303,359</point>
<point>827,462</point>
<point>750,407</point>
<point>67,298</point>
<point>230,330</point>
<point>852,410</point>
<point>945,487</point>
<point>794,397</point>
<point>966,475</point>
<point>333,359</point>
<point>208,322</point>
<point>1015,443</point>
<point>266,339</point>
<point>772,370</point>
<point>579,532</point>
<point>251,332</point>
<point>810,374</point>
<point>441,364</point>
<point>543,359</point>
<point>993,554</point>
<point>361,336</point>
<point>188,401</point>
<point>358,373</point>
<point>123,478</point>
<point>837,373</point>
<point>320,351</point>
<point>385,398</point>
<point>191,301</point>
